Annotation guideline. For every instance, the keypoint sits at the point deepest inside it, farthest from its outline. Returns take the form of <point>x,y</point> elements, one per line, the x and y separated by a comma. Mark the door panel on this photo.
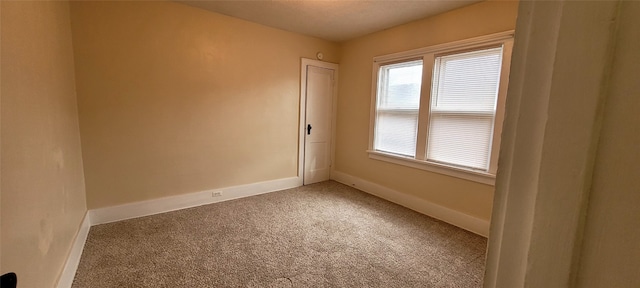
<point>319,99</point>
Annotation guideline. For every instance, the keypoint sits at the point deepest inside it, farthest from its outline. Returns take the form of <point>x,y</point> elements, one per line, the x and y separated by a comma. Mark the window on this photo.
<point>441,108</point>
<point>397,108</point>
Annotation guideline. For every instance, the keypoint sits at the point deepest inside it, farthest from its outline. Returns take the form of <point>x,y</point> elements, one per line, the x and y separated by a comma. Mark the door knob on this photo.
<point>309,129</point>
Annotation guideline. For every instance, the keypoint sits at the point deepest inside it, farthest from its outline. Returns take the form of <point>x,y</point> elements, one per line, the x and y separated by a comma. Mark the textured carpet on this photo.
<point>321,235</point>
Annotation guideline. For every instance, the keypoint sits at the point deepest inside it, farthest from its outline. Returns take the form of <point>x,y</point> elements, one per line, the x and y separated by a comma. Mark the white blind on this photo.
<point>463,106</point>
<point>398,103</point>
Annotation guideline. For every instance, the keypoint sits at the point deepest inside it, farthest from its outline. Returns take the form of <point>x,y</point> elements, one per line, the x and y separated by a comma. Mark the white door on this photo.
<point>317,130</point>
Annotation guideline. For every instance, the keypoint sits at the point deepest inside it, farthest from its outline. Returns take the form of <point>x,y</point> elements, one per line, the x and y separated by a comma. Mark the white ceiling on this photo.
<point>334,20</point>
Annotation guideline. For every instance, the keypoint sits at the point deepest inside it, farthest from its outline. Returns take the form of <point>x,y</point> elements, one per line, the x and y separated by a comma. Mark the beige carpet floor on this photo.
<point>321,235</point>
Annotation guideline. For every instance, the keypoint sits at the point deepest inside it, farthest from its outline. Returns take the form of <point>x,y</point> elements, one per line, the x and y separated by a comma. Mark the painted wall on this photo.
<point>173,99</point>
<point>610,255</point>
<point>355,97</point>
<point>43,193</point>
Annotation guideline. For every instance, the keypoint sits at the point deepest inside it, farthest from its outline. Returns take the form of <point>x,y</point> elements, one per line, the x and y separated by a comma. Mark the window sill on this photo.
<point>475,176</point>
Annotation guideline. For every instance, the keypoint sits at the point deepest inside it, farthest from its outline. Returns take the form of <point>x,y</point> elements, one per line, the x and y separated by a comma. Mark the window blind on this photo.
<point>463,105</point>
<point>397,108</point>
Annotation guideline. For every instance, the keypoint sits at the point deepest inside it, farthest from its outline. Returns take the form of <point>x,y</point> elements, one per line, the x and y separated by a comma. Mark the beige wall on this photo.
<point>611,249</point>
<point>174,99</point>
<point>355,97</point>
<point>43,195</point>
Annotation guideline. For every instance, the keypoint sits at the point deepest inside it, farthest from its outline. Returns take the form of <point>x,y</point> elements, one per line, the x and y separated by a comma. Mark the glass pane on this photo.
<point>460,140</point>
<point>467,81</point>
<point>399,85</point>
<point>396,133</point>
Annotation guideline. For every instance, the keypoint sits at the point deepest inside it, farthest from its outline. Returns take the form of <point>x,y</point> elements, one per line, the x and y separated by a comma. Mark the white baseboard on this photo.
<point>172,203</point>
<point>457,218</point>
<point>156,206</point>
<point>73,259</point>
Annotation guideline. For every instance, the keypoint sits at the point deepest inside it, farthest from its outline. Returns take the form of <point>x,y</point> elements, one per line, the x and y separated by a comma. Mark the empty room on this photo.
<point>319,143</point>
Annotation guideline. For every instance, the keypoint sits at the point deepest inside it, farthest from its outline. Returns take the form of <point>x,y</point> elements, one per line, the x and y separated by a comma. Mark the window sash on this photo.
<point>395,140</point>
<point>444,149</point>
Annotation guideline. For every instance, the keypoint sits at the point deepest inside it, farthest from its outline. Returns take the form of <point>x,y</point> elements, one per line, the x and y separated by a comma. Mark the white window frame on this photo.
<point>428,55</point>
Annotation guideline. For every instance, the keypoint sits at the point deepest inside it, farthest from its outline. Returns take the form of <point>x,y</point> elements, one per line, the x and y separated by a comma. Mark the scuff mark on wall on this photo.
<point>58,158</point>
<point>46,235</point>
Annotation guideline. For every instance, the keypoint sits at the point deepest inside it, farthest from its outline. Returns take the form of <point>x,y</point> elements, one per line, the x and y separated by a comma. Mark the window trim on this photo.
<point>476,176</point>
<point>428,55</point>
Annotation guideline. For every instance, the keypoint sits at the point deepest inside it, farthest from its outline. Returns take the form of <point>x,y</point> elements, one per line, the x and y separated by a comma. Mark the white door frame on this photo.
<point>303,112</point>
<point>549,143</point>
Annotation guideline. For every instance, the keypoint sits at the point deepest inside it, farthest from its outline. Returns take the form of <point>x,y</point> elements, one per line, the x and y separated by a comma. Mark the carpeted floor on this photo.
<point>321,235</point>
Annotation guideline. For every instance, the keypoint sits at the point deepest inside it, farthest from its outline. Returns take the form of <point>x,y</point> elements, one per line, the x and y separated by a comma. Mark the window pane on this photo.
<point>396,133</point>
<point>398,102</point>
<point>467,81</point>
<point>399,85</point>
<point>463,104</point>
<point>459,140</point>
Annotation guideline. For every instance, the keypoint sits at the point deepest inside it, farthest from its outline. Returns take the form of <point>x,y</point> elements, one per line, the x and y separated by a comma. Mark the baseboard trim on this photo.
<point>456,218</point>
<point>178,202</point>
<point>73,259</point>
<point>173,203</point>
